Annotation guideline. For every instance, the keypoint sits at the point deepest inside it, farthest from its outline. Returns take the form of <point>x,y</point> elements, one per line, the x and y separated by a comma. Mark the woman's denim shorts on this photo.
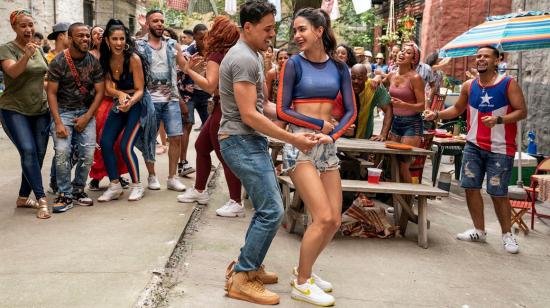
<point>407,126</point>
<point>322,156</point>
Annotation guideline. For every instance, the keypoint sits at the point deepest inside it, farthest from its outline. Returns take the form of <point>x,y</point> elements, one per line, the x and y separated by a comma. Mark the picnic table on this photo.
<point>354,146</point>
<point>295,210</point>
<point>403,210</point>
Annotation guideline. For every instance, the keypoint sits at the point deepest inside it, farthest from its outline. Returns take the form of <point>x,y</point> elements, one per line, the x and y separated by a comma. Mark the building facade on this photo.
<point>92,12</point>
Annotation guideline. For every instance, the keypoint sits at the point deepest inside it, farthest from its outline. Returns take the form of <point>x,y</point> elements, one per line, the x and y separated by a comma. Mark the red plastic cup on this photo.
<point>374,175</point>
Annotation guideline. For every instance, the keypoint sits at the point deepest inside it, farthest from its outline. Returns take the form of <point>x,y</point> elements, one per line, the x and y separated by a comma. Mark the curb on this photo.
<point>155,292</point>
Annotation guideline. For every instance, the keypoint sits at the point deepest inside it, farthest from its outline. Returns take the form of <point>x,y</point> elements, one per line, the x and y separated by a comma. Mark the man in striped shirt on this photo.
<point>494,105</point>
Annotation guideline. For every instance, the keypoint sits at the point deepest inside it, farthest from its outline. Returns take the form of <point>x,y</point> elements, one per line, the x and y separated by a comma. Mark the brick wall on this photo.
<point>443,20</point>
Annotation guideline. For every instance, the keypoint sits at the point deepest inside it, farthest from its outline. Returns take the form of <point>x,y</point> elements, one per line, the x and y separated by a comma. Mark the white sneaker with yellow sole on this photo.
<point>323,284</point>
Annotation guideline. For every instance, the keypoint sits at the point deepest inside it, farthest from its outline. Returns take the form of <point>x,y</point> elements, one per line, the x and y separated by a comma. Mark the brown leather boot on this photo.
<point>265,277</point>
<point>247,286</point>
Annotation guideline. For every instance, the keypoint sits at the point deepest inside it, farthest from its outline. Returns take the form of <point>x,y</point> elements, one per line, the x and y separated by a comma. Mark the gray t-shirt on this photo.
<point>241,63</point>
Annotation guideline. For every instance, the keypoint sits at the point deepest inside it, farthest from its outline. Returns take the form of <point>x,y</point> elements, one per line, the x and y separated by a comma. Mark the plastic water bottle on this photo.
<point>532,146</point>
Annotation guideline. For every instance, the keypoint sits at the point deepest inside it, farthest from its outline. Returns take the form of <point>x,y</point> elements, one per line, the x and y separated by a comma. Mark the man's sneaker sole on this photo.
<point>244,297</point>
<point>186,172</point>
<point>201,202</point>
<point>76,202</point>
<point>62,209</point>
<point>232,215</point>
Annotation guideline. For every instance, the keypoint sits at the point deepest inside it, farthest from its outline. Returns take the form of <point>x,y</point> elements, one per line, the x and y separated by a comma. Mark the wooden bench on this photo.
<point>295,211</point>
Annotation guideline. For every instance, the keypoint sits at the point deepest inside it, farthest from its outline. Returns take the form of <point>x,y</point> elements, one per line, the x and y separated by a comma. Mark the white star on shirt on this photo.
<point>485,100</point>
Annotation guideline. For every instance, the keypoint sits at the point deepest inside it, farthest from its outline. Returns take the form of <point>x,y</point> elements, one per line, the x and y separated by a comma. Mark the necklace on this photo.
<point>490,83</point>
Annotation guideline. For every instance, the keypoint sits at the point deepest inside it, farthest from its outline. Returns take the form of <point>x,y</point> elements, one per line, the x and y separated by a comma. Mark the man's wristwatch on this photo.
<point>500,120</point>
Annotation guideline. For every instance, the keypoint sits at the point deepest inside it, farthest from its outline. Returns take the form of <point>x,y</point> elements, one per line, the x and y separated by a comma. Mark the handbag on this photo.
<point>88,99</point>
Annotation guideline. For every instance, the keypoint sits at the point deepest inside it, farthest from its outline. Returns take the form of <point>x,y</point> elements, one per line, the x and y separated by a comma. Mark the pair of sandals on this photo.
<point>41,205</point>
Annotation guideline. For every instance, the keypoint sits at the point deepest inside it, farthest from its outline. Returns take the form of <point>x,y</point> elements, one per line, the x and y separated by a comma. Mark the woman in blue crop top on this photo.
<point>124,80</point>
<point>310,83</point>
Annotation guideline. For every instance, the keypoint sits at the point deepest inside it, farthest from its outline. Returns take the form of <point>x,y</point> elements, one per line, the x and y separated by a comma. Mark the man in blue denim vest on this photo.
<point>244,148</point>
<point>162,56</point>
<point>73,97</point>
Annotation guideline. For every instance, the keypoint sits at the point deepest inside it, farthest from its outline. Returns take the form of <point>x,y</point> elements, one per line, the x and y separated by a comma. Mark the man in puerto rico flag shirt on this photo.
<point>494,105</point>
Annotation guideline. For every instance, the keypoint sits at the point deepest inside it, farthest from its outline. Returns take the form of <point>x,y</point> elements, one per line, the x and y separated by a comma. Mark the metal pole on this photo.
<point>520,131</point>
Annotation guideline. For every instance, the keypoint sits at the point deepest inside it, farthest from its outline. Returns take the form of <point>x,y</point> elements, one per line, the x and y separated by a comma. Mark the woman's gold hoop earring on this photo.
<point>126,47</point>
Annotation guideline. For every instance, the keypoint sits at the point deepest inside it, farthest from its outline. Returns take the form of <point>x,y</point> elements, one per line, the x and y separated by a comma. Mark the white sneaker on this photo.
<point>323,284</point>
<point>510,244</point>
<point>472,235</point>
<point>309,292</point>
<point>175,184</point>
<point>193,195</point>
<point>231,209</point>
<point>153,183</point>
<point>136,192</point>
<point>113,192</point>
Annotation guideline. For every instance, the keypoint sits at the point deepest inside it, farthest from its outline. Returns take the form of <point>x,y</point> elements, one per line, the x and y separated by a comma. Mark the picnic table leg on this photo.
<point>394,177</point>
<point>422,222</point>
<point>435,163</point>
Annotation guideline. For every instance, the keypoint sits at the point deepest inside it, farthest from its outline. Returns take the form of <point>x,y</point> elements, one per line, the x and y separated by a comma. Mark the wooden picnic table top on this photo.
<point>384,187</point>
<point>364,146</point>
<point>449,141</point>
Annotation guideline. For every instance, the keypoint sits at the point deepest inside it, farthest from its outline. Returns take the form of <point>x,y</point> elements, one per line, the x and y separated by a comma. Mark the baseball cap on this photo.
<point>368,53</point>
<point>59,27</point>
<point>380,56</point>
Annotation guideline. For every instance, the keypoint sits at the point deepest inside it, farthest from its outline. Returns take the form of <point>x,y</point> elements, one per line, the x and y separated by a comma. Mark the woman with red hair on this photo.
<point>222,36</point>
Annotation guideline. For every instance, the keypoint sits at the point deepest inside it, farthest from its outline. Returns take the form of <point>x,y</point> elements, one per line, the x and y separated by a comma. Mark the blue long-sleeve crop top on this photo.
<point>303,81</point>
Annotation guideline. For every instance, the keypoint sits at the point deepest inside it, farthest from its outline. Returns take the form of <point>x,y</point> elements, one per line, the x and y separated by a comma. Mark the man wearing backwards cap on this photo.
<point>59,35</point>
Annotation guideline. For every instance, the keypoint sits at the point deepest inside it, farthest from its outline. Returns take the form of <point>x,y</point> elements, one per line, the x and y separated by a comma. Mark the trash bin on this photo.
<point>528,167</point>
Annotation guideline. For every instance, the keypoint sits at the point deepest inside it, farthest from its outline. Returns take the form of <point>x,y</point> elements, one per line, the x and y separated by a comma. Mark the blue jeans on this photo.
<point>85,142</point>
<point>170,114</point>
<point>248,157</point>
<point>117,122</point>
<point>30,136</point>
<point>476,162</point>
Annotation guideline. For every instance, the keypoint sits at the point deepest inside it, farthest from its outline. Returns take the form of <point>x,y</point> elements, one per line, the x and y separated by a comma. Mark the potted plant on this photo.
<point>407,22</point>
<point>388,39</point>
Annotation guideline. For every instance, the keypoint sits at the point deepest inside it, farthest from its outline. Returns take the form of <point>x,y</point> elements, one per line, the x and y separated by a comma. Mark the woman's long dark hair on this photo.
<point>105,52</point>
<point>319,18</point>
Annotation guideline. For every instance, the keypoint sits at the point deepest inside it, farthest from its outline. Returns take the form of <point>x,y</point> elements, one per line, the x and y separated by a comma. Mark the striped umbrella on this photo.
<point>511,32</point>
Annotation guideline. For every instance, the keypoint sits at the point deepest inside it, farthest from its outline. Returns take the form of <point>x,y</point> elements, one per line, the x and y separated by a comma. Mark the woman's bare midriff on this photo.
<point>320,111</point>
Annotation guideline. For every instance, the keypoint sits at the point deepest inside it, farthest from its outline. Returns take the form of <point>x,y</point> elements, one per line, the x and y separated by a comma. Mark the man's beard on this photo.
<point>154,33</point>
<point>78,48</point>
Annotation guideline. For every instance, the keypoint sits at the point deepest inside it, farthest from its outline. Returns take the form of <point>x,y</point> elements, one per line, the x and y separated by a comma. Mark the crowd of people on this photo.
<point>101,92</point>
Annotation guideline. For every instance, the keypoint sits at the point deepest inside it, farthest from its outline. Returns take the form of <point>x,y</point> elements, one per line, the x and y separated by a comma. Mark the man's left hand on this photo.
<point>81,123</point>
<point>489,121</point>
<point>378,138</point>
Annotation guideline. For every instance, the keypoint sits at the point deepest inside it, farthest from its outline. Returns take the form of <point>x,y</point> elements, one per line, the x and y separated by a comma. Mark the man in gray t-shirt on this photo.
<point>240,64</point>
<point>245,150</point>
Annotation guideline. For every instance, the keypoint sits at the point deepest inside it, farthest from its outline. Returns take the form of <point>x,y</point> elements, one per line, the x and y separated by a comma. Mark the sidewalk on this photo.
<point>100,256</point>
<point>377,272</point>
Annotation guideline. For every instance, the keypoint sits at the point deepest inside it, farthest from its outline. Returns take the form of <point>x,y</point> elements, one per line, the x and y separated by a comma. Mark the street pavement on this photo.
<point>112,255</point>
<point>379,272</point>
<point>99,256</point>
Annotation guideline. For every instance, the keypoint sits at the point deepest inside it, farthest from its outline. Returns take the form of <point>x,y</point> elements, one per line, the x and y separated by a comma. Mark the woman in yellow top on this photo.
<point>23,108</point>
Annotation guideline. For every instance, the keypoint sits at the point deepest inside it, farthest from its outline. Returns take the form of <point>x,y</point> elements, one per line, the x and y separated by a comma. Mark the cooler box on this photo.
<point>528,167</point>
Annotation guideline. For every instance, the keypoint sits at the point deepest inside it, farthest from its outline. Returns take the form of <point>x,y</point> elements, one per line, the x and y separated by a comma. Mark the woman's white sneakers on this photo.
<point>136,192</point>
<point>323,284</point>
<point>309,292</point>
<point>112,193</point>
